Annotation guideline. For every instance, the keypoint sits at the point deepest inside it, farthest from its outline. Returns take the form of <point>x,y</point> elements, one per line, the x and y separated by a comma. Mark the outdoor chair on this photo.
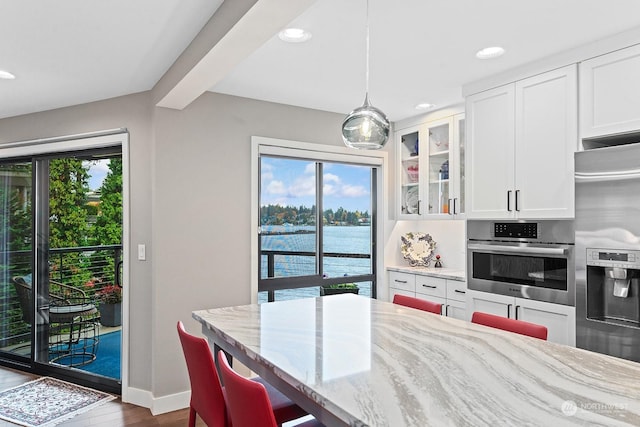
<point>73,321</point>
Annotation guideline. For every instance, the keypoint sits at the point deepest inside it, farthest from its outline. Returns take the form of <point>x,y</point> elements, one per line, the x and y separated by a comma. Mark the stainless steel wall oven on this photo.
<point>527,259</point>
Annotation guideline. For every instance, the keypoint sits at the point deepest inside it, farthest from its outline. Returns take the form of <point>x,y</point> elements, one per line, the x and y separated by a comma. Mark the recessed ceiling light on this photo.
<point>424,106</point>
<point>6,75</point>
<point>490,52</point>
<point>294,35</point>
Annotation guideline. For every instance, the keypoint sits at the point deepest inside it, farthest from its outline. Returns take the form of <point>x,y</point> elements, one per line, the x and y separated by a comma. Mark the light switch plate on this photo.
<point>142,252</point>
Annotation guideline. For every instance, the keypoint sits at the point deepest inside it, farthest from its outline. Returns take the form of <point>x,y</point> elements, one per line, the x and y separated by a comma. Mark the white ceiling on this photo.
<point>421,50</point>
<point>69,52</point>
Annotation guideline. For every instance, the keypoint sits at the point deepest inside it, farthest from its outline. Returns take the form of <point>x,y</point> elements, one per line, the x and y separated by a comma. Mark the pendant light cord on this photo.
<point>367,55</point>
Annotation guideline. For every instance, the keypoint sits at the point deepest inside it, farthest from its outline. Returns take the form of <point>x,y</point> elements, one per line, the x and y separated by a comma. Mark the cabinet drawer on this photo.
<point>404,281</point>
<point>431,286</point>
<point>457,290</point>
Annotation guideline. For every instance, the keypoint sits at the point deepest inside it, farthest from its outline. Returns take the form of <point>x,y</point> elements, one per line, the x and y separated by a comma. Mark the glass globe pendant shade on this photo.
<point>365,128</point>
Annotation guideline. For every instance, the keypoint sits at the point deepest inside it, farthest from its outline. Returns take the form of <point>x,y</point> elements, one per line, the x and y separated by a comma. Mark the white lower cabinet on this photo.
<point>559,319</point>
<point>449,293</point>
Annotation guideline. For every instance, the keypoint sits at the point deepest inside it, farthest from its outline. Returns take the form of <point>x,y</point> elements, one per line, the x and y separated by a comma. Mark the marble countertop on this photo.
<point>443,273</point>
<point>356,361</point>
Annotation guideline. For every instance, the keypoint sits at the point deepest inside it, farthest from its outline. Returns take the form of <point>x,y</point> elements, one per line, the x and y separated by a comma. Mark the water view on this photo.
<point>337,239</point>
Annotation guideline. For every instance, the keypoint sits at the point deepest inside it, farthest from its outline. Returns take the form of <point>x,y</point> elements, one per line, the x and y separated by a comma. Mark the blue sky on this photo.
<point>97,173</point>
<point>292,182</point>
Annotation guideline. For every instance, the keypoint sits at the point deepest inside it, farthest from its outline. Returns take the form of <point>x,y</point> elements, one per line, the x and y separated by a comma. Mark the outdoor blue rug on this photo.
<point>107,361</point>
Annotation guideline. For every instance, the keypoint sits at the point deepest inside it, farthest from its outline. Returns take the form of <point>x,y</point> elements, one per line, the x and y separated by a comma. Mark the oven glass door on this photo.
<point>534,269</point>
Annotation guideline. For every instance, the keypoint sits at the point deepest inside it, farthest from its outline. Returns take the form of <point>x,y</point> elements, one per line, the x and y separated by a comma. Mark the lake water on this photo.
<point>337,239</point>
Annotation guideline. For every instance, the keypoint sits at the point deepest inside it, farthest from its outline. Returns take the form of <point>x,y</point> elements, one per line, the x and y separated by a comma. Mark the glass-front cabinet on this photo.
<point>431,169</point>
<point>440,148</point>
<point>408,142</point>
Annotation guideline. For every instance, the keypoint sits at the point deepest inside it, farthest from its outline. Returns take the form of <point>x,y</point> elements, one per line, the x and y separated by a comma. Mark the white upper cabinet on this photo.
<point>429,170</point>
<point>490,152</point>
<point>610,93</point>
<point>521,141</point>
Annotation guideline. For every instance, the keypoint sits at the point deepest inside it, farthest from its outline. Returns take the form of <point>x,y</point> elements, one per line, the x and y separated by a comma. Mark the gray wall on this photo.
<point>202,207</point>
<point>135,113</point>
<point>190,204</point>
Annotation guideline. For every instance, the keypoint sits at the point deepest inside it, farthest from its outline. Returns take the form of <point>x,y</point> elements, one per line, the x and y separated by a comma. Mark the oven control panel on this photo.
<point>518,230</point>
<point>613,258</point>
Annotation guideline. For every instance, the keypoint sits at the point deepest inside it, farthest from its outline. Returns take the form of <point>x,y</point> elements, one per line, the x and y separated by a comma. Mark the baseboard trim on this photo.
<point>157,405</point>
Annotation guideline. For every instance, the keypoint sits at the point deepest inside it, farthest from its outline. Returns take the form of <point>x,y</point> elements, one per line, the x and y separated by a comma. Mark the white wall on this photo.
<point>449,235</point>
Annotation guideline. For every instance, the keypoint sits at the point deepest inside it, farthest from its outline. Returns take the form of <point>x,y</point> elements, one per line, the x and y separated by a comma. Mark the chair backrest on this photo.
<point>512,325</point>
<point>23,290</point>
<point>206,392</point>
<point>418,303</point>
<point>247,401</point>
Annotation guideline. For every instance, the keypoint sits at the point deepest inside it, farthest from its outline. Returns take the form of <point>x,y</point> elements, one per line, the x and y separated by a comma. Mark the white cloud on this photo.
<point>354,191</point>
<point>329,177</point>
<point>310,169</point>
<point>276,187</point>
<point>303,186</point>
<point>329,190</point>
<point>266,176</point>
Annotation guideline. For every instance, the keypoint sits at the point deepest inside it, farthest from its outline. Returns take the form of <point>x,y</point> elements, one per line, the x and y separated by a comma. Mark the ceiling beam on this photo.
<point>260,22</point>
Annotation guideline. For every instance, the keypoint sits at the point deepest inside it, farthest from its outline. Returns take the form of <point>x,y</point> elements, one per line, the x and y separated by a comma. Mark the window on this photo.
<point>316,222</point>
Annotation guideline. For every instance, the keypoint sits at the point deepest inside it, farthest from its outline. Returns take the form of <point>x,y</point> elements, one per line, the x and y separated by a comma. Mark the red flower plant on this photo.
<point>110,294</point>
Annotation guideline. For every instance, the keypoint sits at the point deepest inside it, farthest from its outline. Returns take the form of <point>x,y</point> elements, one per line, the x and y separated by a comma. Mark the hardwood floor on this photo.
<point>111,414</point>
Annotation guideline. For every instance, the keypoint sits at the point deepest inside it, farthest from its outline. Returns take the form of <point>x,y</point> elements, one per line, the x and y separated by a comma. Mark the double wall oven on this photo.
<point>526,259</point>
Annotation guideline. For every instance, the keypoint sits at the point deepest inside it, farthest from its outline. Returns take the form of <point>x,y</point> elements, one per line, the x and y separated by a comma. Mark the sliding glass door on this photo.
<point>61,260</point>
<point>16,258</point>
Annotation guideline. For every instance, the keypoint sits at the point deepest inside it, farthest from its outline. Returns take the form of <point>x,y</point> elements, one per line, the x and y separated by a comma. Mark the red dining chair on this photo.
<point>207,395</point>
<point>242,392</point>
<point>420,304</point>
<point>512,325</point>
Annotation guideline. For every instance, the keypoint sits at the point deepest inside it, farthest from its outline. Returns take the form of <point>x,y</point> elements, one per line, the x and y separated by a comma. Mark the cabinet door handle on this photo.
<point>419,213</point>
<point>454,205</point>
<point>458,291</point>
<point>446,310</point>
<point>517,194</point>
<point>399,281</point>
<point>429,286</point>
<point>517,307</point>
<point>509,311</point>
<point>450,211</point>
<point>509,201</point>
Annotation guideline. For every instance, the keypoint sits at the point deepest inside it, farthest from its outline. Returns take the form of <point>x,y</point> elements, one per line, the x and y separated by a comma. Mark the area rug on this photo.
<point>47,402</point>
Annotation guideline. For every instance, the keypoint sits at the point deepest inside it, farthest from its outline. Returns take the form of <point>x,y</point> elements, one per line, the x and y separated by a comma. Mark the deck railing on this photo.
<point>301,265</point>
<point>89,268</point>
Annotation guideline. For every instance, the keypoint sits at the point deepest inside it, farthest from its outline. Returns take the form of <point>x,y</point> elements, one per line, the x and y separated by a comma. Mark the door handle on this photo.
<point>509,311</point>
<point>399,281</point>
<point>429,286</point>
<point>517,194</point>
<point>454,205</point>
<point>509,201</point>
<point>450,211</point>
<point>517,306</point>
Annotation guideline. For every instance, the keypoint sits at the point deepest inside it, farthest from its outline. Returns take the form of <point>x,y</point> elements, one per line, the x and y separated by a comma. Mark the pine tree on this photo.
<point>108,227</point>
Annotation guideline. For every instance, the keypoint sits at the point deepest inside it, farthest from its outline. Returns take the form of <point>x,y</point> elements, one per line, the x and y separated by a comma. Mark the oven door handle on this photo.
<point>529,250</point>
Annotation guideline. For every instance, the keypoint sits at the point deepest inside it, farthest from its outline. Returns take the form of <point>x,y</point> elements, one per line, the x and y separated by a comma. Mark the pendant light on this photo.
<point>366,127</point>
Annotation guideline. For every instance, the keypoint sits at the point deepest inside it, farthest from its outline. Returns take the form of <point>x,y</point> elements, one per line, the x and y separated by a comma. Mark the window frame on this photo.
<point>320,153</point>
